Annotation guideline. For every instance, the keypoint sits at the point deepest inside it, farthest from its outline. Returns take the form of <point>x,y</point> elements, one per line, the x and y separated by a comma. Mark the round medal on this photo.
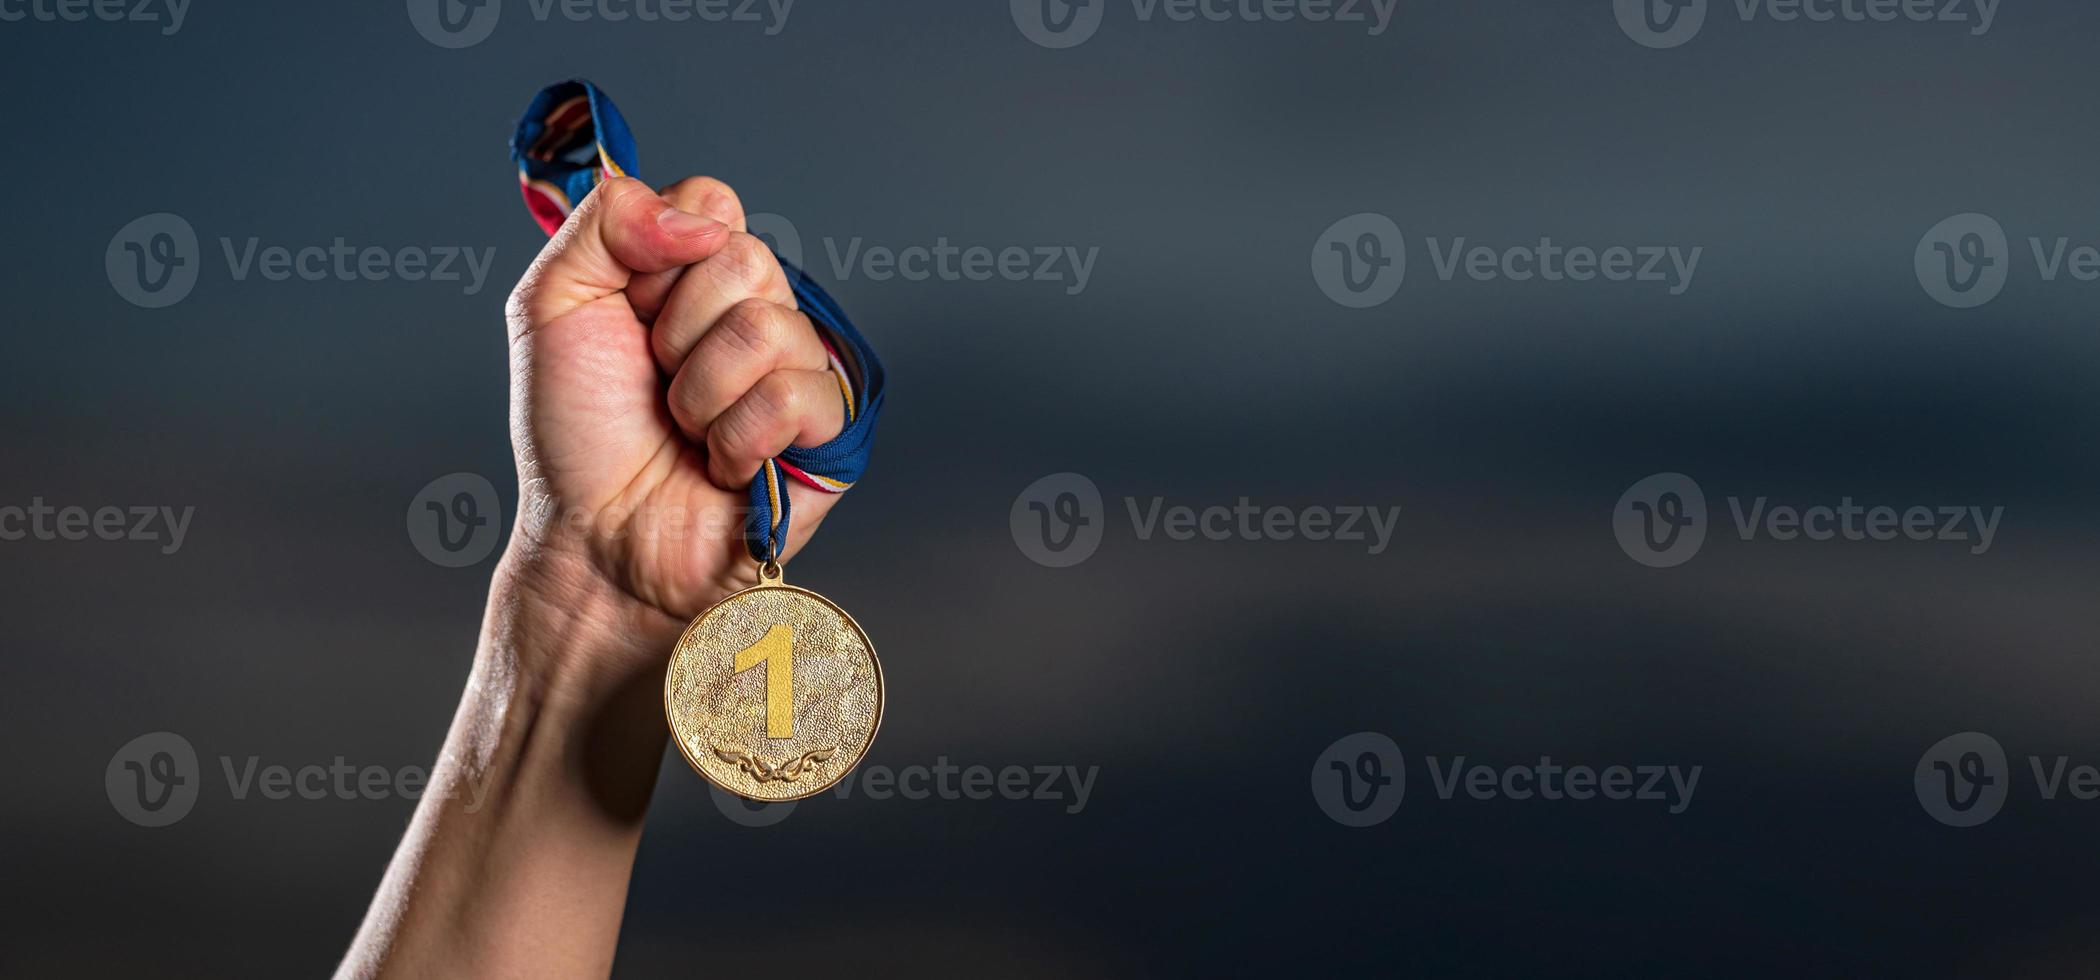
<point>774,693</point>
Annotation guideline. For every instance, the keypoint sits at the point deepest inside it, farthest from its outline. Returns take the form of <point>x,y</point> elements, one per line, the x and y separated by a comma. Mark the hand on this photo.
<point>631,482</point>
<point>630,522</point>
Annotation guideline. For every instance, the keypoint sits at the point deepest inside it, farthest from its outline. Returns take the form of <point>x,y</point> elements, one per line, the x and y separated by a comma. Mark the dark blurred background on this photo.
<point>1202,363</point>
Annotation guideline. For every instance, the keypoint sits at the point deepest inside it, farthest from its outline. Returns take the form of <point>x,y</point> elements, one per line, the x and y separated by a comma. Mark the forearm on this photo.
<point>518,857</point>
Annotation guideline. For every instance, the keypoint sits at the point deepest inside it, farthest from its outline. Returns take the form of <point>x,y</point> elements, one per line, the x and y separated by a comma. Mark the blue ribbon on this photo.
<point>571,139</point>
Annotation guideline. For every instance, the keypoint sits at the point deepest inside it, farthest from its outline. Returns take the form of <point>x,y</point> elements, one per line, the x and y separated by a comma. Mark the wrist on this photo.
<point>565,703</point>
<point>567,629</point>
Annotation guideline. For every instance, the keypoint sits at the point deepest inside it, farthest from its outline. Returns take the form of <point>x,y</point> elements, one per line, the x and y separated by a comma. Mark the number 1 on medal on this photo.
<point>776,650</point>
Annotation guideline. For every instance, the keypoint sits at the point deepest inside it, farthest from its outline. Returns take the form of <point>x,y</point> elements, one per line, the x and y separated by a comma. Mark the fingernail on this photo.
<point>683,225</point>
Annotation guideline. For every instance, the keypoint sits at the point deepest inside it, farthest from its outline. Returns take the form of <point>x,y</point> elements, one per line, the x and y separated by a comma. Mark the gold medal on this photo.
<point>774,693</point>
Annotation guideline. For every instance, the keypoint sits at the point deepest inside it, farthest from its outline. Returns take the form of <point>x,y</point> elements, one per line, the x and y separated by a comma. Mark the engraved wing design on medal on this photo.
<point>736,757</point>
<point>785,772</point>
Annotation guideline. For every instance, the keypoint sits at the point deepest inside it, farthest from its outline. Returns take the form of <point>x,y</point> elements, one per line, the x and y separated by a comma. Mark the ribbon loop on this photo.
<point>571,139</point>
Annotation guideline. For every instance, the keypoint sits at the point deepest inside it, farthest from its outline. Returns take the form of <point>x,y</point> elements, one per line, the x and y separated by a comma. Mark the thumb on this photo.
<point>621,229</point>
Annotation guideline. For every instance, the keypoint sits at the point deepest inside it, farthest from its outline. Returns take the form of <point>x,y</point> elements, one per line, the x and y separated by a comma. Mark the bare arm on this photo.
<point>518,858</point>
<point>657,358</point>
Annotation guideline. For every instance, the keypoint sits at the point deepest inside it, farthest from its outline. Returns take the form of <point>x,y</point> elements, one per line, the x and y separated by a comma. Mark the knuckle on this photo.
<point>596,218</point>
<point>691,188</point>
<point>731,438</point>
<point>612,210</point>
<point>763,418</point>
<point>614,195</point>
<point>776,399</point>
<point>706,195</point>
<point>747,261</point>
<point>527,303</point>
<point>752,328</point>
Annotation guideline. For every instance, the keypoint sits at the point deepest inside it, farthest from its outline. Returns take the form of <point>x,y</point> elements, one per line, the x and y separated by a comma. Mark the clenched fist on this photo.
<point>657,360</point>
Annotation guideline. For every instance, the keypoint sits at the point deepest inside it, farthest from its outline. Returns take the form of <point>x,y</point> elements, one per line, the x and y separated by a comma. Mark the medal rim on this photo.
<point>881,691</point>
